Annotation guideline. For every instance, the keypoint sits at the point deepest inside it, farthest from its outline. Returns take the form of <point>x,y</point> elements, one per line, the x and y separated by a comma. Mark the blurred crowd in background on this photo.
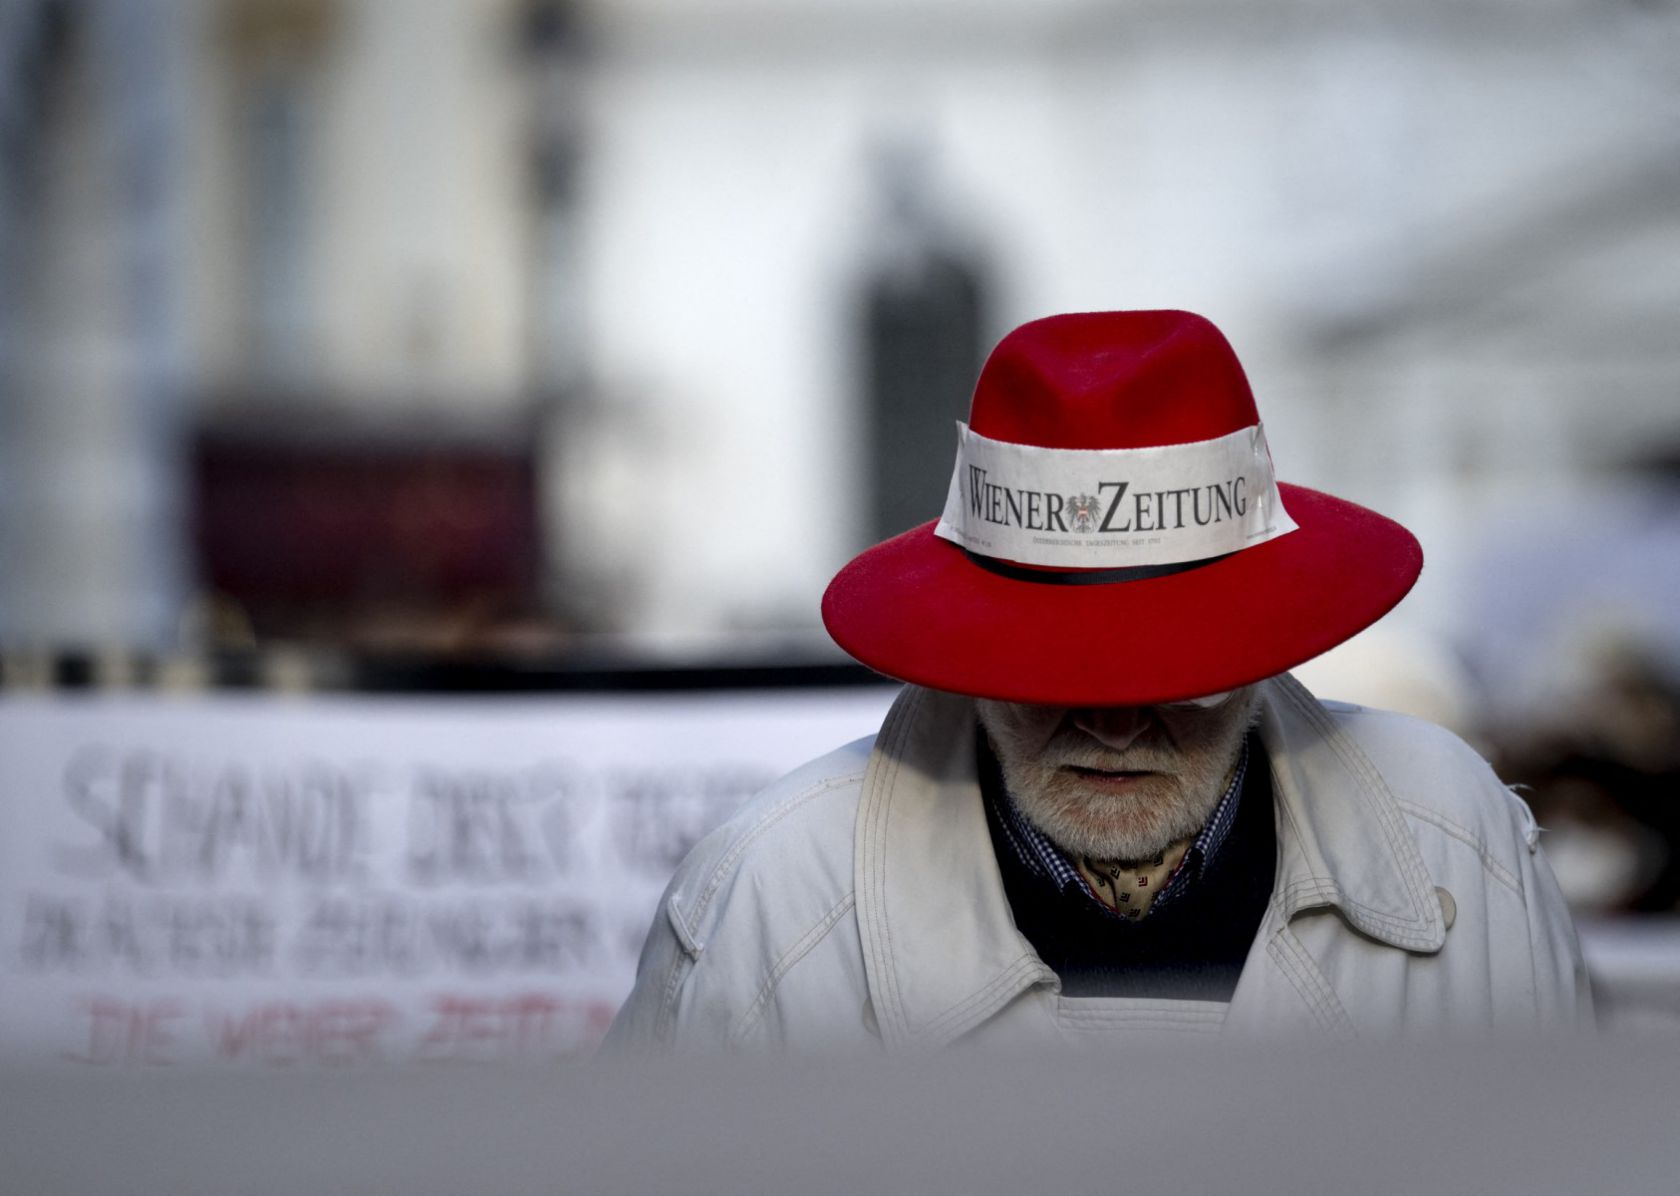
<point>518,333</point>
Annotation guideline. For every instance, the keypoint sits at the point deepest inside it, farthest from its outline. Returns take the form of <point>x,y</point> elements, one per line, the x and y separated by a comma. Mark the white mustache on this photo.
<point>1083,753</point>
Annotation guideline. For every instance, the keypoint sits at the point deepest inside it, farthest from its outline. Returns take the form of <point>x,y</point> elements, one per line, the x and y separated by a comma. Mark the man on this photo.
<point>1101,807</point>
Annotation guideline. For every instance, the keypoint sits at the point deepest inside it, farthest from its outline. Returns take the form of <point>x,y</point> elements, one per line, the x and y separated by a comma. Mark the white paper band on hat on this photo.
<point>1112,508</point>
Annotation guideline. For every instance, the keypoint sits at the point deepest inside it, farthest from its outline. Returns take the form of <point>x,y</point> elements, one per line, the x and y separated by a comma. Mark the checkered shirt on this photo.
<point>1043,858</point>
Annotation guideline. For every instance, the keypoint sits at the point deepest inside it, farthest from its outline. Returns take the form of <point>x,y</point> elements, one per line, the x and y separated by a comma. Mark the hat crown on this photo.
<point>1112,380</point>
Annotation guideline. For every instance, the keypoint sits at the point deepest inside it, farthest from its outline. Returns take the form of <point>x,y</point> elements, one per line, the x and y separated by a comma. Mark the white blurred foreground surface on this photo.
<point>1540,1117</point>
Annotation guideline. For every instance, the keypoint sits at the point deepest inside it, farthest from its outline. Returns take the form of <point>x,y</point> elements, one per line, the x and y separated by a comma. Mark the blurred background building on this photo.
<point>528,331</point>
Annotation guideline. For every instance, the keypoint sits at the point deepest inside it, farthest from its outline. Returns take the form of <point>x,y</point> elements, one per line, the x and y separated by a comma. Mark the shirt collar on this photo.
<point>1044,859</point>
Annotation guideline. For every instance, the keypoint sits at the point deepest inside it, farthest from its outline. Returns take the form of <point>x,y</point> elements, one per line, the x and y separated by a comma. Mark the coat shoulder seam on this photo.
<point>757,830</point>
<point>803,946</point>
<point>1453,830</point>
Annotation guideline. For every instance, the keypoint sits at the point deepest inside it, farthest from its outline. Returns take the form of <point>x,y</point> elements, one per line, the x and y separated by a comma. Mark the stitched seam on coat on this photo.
<point>685,936</point>
<point>1387,814</point>
<point>1316,890</point>
<point>663,1030</point>
<point>1326,1005</point>
<point>800,949</point>
<point>1331,894</point>
<point>1295,831</point>
<point>1325,889</point>
<point>890,1010</point>
<point>1303,989</point>
<point>727,864</point>
<point>1154,1014</point>
<point>1497,870</point>
<point>1007,980</point>
<point>1356,762</point>
<point>1310,886</point>
<point>887,1012</point>
<point>1293,961</point>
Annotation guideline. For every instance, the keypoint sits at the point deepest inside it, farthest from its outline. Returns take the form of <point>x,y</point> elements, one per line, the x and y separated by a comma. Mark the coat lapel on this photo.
<point>1342,839</point>
<point>941,952</point>
<point>1342,843</point>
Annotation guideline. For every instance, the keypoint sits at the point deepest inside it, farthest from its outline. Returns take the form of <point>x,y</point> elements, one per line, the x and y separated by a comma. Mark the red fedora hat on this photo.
<point>1114,534</point>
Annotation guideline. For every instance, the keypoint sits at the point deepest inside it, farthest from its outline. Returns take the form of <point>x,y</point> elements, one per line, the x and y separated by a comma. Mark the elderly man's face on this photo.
<point>1121,782</point>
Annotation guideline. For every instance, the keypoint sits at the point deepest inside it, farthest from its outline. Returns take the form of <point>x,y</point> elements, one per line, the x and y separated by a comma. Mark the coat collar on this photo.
<point>1342,839</point>
<point>940,947</point>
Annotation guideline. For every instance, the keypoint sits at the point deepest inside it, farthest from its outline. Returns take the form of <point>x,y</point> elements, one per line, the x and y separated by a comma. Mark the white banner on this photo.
<point>267,883</point>
<point>1112,508</point>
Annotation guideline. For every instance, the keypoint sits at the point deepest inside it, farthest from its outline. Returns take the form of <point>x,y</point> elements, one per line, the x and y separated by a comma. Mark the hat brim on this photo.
<point>917,608</point>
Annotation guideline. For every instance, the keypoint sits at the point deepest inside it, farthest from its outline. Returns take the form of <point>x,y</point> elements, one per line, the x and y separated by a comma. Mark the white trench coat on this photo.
<point>857,903</point>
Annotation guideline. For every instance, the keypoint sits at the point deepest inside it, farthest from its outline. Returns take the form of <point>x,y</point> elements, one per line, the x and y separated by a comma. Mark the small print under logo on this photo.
<point>1082,510</point>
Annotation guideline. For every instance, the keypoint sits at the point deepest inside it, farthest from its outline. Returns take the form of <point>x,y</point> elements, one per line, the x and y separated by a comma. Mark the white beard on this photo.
<point>1189,774</point>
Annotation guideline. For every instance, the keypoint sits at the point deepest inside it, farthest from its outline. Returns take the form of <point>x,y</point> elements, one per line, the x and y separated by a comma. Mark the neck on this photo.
<point>1128,887</point>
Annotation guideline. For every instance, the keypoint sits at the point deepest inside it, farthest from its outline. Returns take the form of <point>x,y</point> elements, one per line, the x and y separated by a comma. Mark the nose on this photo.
<point>1114,727</point>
